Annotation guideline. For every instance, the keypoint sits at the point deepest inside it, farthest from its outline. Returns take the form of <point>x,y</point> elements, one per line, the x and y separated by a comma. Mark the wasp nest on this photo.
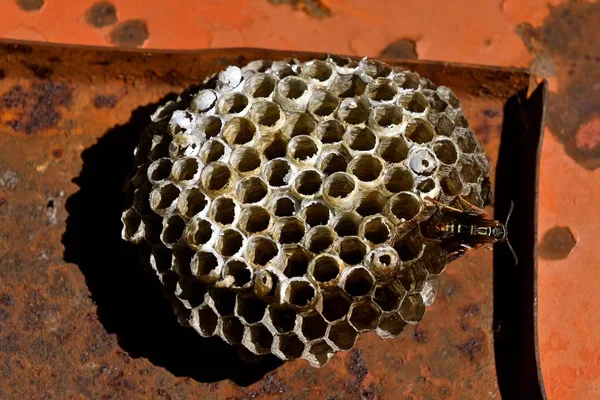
<point>282,204</point>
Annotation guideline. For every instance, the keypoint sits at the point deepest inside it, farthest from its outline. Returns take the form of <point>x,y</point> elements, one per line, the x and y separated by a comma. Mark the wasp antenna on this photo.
<point>512,206</point>
<point>513,253</point>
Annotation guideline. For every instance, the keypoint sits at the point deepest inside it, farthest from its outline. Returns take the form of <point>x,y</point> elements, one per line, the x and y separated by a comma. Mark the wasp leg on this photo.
<point>489,247</point>
<point>455,255</point>
<point>442,205</point>
<point>472,206</point>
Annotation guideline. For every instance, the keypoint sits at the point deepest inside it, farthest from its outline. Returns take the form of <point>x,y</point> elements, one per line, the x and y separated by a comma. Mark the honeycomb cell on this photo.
<point>322,104</point>
<point>317,70</point>
<point>342,335</point>
<point>266,114</point>
<point>191,292</point>
<point>386,118</point>
<point>340,188</point>
<point>212,150</point>
<point>292,88</point>
<point>359,138</point>
<point>364,316</point>
<point>260,85</point>
<point>316,213</point>
<point>299,292</point>
<point>451,184</point>
<point>232,330</point>
<point>390,325</point>
<point>320,238</point>
<point>335,305</point>
<point>302,149</point>
<point>284,206</point>
<point>161,258</point>
<point>347,224</point>
<point>240,273</point>
<point>250,309</point>
<point>329,131</point>
<point>403,207</point>
<point>419,131</point>
<point>393,149</point>
<point>414,102</point>
<point>297,259</point>
<point>410,246</point>
<point>353,111</point>
<point>265,283</point>
<point>319,353</point>
<point>325,269</point>
<point>223,301</point>
<point>162,198</point>
<point>388,296</point>
<point>261,250</point>
<point>191,202</point>
<point>376,230</point>
<point>217,176</point>
<point>278,173</point>
<point>349,86</point>
<point>412,309</point>
<point>283,318</point>
<point>469,172</point>
<point>230,242</point>
<point>238,131</point>
<point>299,124</point>
<point>333,161</point>
<point>313,326</point>
<point>204,100</point>
<point>172,230</point>
<point>198,232</point>
<point>288,346</point>
<point>245,159</point>
<point>276,148</point>
<point>223,210</point>
<point>445,151</point>
<point>210,126</point>
<point>357,281</point>
<point>206,266</point>
<point>204,320</point>
<point>308,183</point>
<point>398,179</point>
<point>258,339</point>
<point>366,168</point>
<point>160,170</point>
<point>382,90</point>
<point>254,219</point>
<point>371,203</point>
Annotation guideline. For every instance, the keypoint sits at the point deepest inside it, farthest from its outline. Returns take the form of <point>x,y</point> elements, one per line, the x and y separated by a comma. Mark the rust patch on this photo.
<point>132,33</point>
<point>471,348</point>
<point>57,153</point>
<point>30,5</point>
<point>2,201</point>
<point>401,48</point>
<point>357,367</point>
<point>2,74</point>
<point>105,101</point>
<point>101,14</point>
<point>9,179</point>
<point>7,300</point>
<point>567,46</point>
<point>35,108</point>
<point>314,8</point>
<point>420,335</point>
<point>557,243</point>
<point>40,71</point>
<point>269,386</point>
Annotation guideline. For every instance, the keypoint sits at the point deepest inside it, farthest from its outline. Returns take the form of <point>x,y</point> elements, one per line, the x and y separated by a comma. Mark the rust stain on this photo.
<point>567,46</point>
<point>471,348</point>
<point>420,335</point>
<point>40,71</point>
<point>131,33</point>
<point>34,108</point>
<point>557,243</point>
<point>105,101</point>
<point>314,8</point>
<point>30,5</point>
<point>402,48</point>
<point>101,14</point>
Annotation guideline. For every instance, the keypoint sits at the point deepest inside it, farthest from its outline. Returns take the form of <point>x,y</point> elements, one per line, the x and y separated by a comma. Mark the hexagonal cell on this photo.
<point>161,258</point>
<point>353,111</point>
<point>223,210</point>
<point>163,198</point>
<point>283,318</point>
<point>445,151</point>
<point>340,185</point>
<point>229,242</point>
<point>413,279</point>
<point>386,116</point>
<point>302,148</point>
<point>329,131</point>
<point>423,162</point>
<point>357,281</point>
<point>436,102</point>
<point>260,85</point>
<point>182,259</point>
<point>172,230</point>
<point>429,292</point>
<point>308,182</point>
<point>261,250</point>
<point>254,219</point>
<point>398,179</point>
<point>212,150</point>
<point>133,227</point>
<point>381,89</point>
<point>425,186</point>
<point>258,339</point>
<point>388,296</point>
<point>414,102</point>
<point>239,131</point>
<point>324,268</point>
<point>419,131</point>
<point>412,309</point>
<point>250,309</point>
<point>350,85</point>
<point>206,266</point>
<point>217,176</point>
<point>192,202</point>
<point>434,258</point>
<point>278,172</point>
<point>390,325</point>
<point>469,172</point>
<point>352,249</point>
<point>191,291</point>
<point>366,168</point>
<point>266,113</point>
<point>322,103</point>
<point>444,126</point>
<point>318,70</point>
<point>233,103</point>
<point>360,138</point>
<point>284,206</point>
<point>313,326</point>
<point>288,346</point>
<point>210,126</point>
<point>276,148</point>
<point>265,284</point>
<point>223,300</point>
<point>299,124</point>
<point>364,316</point>
<point>204,321</point>
<point>251,190</point>
<point>299,292</point>
<point>393,149</point>
<point>403,207</point>
<point>232,330</point>
<point>376,230</point>
<point>346,224</point>
<point>245,159</point>
<point>292,87</point>
<point>316,213</point>
<point>384,263</point>
<point>371,203</point>
<point>320,238</point>
<point>451,184</point>
<point>160,170</point>
<point>198,232</point>
<point>319,353</point>
<point>335,305</point>
<point>334,161</point>
<point>342,335</point>
<point>466,141</point>
<point>240,272</point>
<point>289,230</point>
<point>297,259</point>
<point>409,246</point>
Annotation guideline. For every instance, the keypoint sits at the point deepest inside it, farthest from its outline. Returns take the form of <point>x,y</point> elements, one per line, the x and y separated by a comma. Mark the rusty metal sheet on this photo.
<point>79,317</point>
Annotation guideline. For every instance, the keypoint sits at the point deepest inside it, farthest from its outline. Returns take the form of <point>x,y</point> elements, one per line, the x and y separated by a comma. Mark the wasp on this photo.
<point>461,230</point>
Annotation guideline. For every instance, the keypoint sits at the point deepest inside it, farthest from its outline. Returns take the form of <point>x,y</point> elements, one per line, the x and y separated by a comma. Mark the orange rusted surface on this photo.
<point>558,39</point>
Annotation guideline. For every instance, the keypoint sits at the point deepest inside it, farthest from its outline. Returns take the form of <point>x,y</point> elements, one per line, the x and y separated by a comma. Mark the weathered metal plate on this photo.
<point>79,318</point>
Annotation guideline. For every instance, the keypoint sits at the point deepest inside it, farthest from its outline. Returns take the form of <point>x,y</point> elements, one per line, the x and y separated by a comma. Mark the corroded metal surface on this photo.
<point>79,318</point>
